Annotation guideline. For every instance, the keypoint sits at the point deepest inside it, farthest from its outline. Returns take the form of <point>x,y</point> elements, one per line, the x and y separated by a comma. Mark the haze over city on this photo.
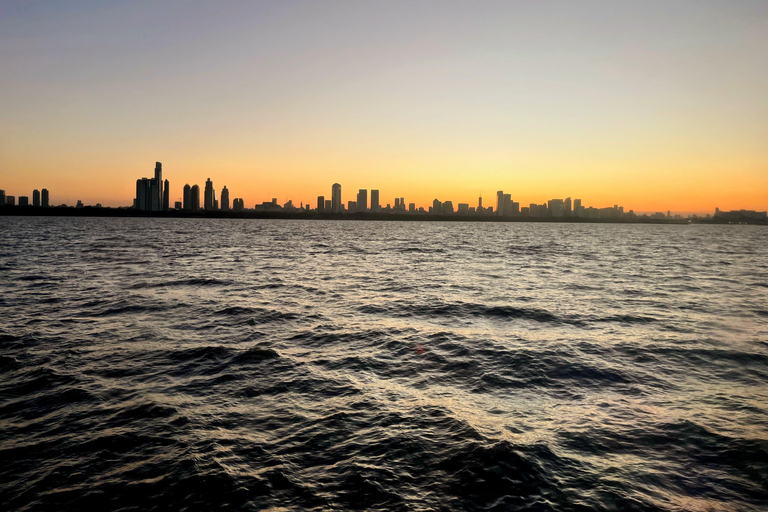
<point>655,105</point>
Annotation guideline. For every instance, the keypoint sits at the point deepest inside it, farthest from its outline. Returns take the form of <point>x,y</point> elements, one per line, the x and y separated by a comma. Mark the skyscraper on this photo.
<point>507,205</point>
<point>320,204</point>
<point>225,198</point>
<point>209,195</point>
<point>500,203</point>
<point>35,197</point>
<point>23,201</point>
<point>142,201</point>
<point>2,197</point>
<point>194,198</point>
<point>44,198</point>
<point>157,199</point>
<point>362,200</point>
<point>375,206</point>
<point>187,204</point>
<point>336,198</point>
<point>577,207</point>
<point>166,196</point>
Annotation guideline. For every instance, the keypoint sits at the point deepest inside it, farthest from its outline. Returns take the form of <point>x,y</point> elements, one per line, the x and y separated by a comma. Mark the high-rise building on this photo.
<point>320,204</point>
<point>10,200</point>
<point>336,205</point>
<point>397,203</point>
<point>507,205</point>
<point>567,207</point>
<point>351,206</point>
<point>556,207</point>
<point>437,207</point>
<point>143,195</point>
<point>44,198</point>
<point>157,198</point>
<point>480,203</point>
<point>362,200</point>
<point>2,197</point>
<point>187,204</point>
<point>194,198</point>
<point>577,211</point>
<point>500,203</point>
<point>209,195</point>
<point>23,200</point>
<point>155,195</point>
<point>177,205</point>
<point>166,196</point>
<point>412,207</point>
<point>225,198</point>
<point>375,206</point>
<point>36,198</point>
<point>328,206</point>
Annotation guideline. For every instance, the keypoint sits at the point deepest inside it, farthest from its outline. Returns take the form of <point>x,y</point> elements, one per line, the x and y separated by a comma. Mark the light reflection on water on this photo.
<point>383,365</point>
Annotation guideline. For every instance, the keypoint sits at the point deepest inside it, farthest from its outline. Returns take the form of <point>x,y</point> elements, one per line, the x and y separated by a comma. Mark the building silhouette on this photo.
<point>2,197</point>
<point>362,200</point>
<point>336,205</point>
<point>225,199</point>
<point>36,198</point>
<point>210,195</point>
<point>194,198</point>
<point>23,200</point>
<point>187,197</point>
<point>166,196</point>
<point>320,204</point>
<point>375,206</point>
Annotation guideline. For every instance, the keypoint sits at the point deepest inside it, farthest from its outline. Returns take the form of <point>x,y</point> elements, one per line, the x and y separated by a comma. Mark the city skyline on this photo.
<point>658,105</point>
<point>153,195</point>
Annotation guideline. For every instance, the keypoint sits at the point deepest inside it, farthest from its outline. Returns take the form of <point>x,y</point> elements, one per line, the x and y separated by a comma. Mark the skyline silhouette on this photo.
<point>657,106</point>
<point>152,196</point>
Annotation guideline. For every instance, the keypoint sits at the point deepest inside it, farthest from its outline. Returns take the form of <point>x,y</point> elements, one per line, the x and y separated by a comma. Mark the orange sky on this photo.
<point>654,107</point>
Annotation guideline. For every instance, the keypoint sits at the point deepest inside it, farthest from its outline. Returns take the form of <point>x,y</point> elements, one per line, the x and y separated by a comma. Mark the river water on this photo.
<point>222,364</point>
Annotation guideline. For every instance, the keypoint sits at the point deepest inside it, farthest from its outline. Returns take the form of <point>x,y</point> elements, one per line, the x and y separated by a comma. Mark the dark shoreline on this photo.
<point>88,211</point>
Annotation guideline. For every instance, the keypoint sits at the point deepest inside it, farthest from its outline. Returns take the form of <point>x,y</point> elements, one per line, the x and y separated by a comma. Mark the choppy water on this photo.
<point>154,364</point>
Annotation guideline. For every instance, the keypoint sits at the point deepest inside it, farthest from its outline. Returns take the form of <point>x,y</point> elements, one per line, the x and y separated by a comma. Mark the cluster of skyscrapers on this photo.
<point>153,195</point>
<point>39,199</point>
<point>505,207</point>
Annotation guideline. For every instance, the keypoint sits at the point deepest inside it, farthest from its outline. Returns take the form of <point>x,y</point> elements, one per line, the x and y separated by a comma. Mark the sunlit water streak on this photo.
<point>152,364</point>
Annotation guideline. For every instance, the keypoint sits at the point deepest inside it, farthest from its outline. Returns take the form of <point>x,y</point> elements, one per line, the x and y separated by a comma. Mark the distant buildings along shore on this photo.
<point>153,195</point>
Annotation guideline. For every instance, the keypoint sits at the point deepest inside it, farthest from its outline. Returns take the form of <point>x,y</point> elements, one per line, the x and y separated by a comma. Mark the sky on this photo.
<point>653,105</point>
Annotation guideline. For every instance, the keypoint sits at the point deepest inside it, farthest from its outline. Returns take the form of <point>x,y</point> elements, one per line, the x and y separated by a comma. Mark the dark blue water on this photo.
<point>154,364</point>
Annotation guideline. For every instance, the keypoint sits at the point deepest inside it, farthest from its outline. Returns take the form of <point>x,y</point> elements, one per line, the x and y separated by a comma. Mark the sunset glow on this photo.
<point>655,106</point>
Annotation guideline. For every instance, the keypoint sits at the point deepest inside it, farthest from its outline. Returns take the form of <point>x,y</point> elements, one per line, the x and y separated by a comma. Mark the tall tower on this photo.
<point>336,198</point>
<point>362,200</point>
<point>158,195</point>
<point>166,196</point>
<point>44,198</point>
<point>143,194</point>
<point>187,204</point>
<point>225,198</point>
<point>320,204</point>
<point>500,202</point>
<point>35,197</point>
<point>194,198</point>
<point>208,204</point>
<point>375,206</point>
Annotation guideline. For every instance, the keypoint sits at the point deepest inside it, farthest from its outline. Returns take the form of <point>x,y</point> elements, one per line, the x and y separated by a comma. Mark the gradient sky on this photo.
<point>654,105</point>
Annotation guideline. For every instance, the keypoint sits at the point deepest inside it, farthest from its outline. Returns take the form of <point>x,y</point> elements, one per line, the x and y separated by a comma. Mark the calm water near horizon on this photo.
<point>221,364</point>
